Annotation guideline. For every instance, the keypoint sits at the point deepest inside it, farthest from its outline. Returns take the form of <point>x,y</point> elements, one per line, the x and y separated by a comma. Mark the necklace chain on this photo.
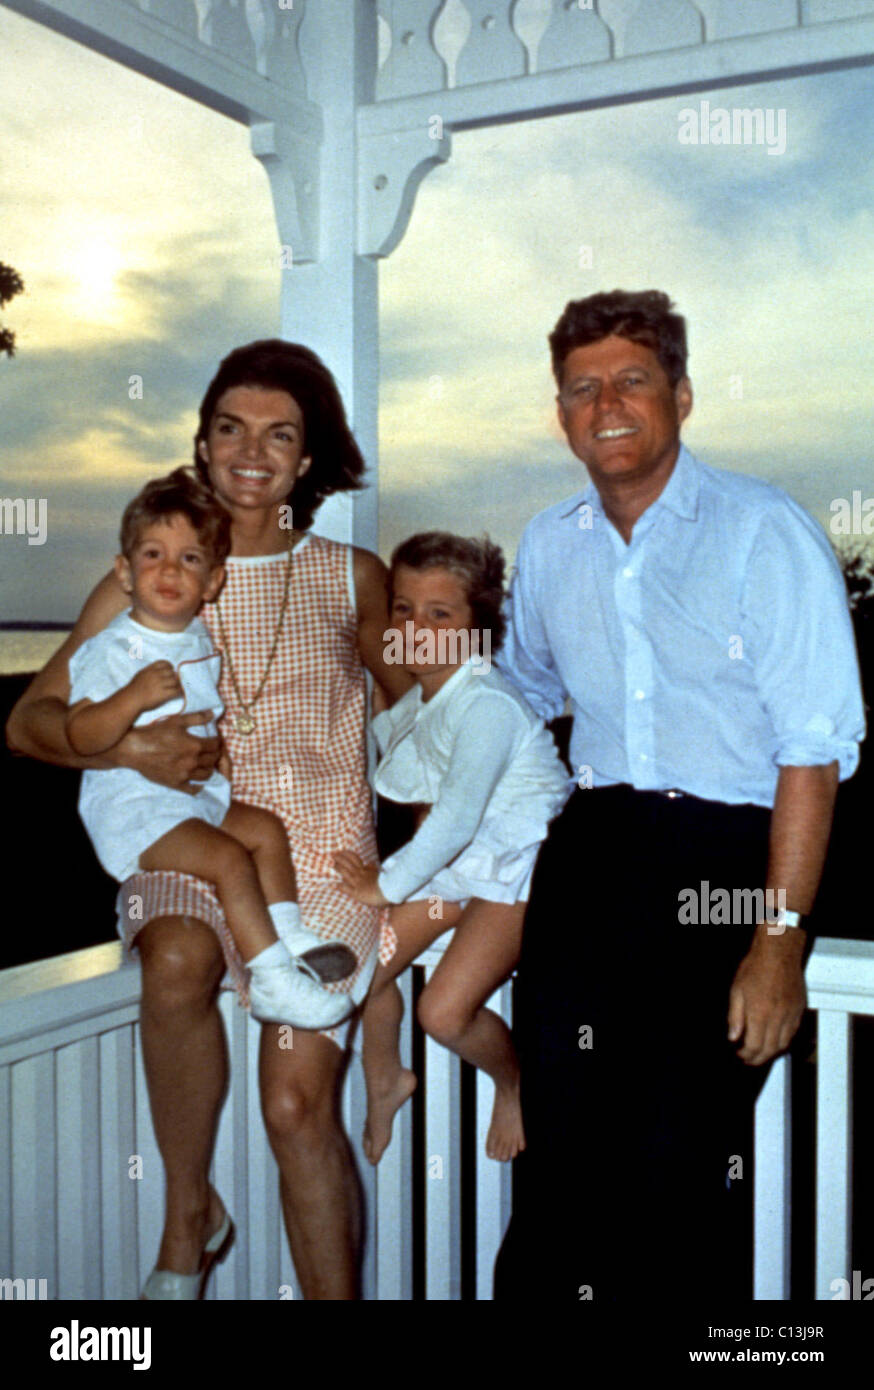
<point>245,723</point>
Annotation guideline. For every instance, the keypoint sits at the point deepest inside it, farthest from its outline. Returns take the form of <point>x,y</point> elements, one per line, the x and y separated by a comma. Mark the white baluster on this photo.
<point>727,19</point>
<point>834,1151</point>
<point>575,36</point>
<point>261,19</point>
<point>617,14</point>
<point>78,1159</point>
<point>179,13</point>
<point>530,20</point>
<point>450,34</point>
<point>230,33</point>
<point>669,24</point>
<point>821,11</point>
<point>383,29</point>
<point>206,10</point>
<point>412,65</point>
<point>493,50</point>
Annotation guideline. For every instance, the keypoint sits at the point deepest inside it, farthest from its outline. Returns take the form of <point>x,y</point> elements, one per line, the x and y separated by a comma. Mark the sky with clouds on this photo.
<point>121,206</point>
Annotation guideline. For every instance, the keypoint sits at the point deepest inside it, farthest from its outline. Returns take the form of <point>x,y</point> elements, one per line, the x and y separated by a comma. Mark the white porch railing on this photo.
<point>81,1187</point>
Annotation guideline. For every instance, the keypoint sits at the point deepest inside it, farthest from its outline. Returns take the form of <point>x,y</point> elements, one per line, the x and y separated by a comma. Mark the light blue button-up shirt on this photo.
<point>712,650</point>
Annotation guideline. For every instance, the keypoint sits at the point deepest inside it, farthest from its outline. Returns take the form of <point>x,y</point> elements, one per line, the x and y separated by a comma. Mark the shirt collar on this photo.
<point>680,494</point>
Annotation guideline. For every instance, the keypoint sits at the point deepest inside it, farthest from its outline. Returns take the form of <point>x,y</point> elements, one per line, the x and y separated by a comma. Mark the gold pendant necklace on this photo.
<point>244,723</point>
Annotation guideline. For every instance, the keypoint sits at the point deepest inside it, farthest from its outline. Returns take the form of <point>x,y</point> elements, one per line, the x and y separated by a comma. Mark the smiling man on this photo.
<point>698,623</point>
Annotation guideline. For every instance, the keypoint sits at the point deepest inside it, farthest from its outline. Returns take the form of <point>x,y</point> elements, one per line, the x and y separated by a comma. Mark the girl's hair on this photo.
<point>180,493</point>
<point>337,464</point>
<point>479,564</point>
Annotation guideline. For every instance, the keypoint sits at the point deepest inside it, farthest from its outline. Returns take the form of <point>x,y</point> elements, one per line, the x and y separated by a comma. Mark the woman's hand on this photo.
<point>167,753</point>
<point>359,879</point>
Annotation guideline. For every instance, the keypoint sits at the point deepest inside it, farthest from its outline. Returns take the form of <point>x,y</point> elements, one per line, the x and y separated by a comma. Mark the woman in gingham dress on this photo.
<point>273,442</point>
<point>305,759</point>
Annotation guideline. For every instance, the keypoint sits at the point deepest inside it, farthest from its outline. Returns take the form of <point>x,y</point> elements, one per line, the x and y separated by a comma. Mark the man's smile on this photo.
<point>617,433</point>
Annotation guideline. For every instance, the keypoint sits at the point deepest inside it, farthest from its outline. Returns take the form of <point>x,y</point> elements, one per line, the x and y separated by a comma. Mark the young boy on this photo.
<point>157,660</point>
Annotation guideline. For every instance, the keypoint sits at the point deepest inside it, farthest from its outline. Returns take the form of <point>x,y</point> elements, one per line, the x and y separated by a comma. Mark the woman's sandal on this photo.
<point>163,1284</point>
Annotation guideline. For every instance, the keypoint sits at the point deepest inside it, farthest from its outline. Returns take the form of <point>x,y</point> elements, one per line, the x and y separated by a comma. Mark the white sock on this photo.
<point>285,917</point>
<point>274,954</point>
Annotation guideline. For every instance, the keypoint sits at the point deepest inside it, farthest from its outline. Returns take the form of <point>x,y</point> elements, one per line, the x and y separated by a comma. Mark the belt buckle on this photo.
<point>673,793</point>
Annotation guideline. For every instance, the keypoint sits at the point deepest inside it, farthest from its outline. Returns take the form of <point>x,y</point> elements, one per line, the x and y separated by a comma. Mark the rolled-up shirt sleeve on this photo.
<point>806,668</point>
<point>480,752</point>
<point>526,656</point>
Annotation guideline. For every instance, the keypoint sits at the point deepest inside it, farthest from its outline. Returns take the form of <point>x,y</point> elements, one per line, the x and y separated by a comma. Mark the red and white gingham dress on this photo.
<point>305,760</point>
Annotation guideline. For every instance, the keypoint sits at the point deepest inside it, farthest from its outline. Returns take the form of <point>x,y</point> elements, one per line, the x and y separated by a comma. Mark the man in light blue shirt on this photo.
<point>698,623</point>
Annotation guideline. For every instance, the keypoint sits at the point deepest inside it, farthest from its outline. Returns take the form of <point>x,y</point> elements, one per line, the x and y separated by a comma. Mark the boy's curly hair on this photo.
<point>180,493</point>
<point>478,563</point>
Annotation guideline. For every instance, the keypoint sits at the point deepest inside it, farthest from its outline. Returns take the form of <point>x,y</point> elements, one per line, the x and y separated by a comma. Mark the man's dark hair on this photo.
<point>479,564</point>
<point>181,493</point>
<point>337,464</point>
<point>642,316</point>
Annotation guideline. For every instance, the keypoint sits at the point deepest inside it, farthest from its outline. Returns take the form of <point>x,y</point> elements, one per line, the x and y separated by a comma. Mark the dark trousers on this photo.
<point>636,1183</point>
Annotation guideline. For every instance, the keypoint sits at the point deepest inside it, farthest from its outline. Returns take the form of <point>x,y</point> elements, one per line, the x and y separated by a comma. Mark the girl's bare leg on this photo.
<point>483,950</point>
<point>389,1083</point>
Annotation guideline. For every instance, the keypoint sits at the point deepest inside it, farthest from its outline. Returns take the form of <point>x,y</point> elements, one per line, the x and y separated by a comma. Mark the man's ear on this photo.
<point>683,397</point>
<point>562,414</point>
<point>214,584</point>
<point>123,573</point>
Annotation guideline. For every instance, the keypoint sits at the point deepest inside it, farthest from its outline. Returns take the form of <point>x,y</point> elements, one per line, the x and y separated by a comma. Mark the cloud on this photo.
<point>765,257</point>
<point>145,233</point>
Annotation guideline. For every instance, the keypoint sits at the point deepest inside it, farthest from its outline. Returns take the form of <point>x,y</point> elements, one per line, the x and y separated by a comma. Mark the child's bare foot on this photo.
<point>383,1102</point>
<point>506,1137</point>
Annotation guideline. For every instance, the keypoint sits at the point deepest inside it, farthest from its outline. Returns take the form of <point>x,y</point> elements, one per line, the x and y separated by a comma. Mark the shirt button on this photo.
<point>643,757</point>
<point>628,572</point>
<point>640,694</point>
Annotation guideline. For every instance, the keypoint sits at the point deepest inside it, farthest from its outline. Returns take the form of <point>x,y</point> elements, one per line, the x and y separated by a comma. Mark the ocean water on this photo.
<point>27,651</point>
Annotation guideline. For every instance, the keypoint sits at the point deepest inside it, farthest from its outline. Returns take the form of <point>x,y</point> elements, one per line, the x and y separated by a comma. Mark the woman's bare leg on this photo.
<point>483,950</point>
<point>319,1189</point>
<point>389,1083</point>
<point>185,1058</point>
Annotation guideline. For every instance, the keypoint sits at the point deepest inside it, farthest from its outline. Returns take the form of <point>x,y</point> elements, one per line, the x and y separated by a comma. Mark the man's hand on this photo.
<point>768,996</point>
<point>167,753</point>
<point>155,685</point>
<point>359,879</point>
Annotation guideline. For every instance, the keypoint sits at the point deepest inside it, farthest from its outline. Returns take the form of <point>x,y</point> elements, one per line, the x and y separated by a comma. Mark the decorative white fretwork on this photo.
<point>428,46</point>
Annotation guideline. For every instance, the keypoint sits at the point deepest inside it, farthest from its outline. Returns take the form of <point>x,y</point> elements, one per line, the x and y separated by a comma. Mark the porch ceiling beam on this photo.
<point>149,46</point>
<point>755,58</point>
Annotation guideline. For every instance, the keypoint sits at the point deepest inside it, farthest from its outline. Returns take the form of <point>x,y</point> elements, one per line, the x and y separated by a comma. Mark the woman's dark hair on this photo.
<point>642,316</point>
<point>337,464</point>
<point>479,564</point>
<point>181,493</point>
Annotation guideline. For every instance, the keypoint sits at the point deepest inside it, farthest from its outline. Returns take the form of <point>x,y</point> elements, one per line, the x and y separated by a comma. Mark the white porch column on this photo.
<point>330,303</point>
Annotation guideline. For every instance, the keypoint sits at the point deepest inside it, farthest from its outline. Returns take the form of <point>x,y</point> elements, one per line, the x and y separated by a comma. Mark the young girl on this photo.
<point>465,743</point>
<point>147,663</point>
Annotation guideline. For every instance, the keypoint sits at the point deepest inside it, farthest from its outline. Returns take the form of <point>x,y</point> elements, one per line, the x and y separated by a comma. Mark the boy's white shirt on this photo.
<point>123,812</point>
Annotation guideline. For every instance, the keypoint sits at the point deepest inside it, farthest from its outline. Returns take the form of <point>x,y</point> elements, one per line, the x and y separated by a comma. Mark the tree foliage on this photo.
<point>11,284</point>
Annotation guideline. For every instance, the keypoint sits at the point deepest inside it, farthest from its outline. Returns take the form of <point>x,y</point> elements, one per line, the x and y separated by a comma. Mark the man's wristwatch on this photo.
<point>785,918</point>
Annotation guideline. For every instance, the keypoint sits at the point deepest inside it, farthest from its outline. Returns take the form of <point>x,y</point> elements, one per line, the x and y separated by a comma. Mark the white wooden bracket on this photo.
<point>391,166</point>
<point>291,160</point>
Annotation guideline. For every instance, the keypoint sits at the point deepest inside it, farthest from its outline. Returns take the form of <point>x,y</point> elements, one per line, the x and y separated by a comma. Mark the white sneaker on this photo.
<point>331,960</point>
<point>291,993</point>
